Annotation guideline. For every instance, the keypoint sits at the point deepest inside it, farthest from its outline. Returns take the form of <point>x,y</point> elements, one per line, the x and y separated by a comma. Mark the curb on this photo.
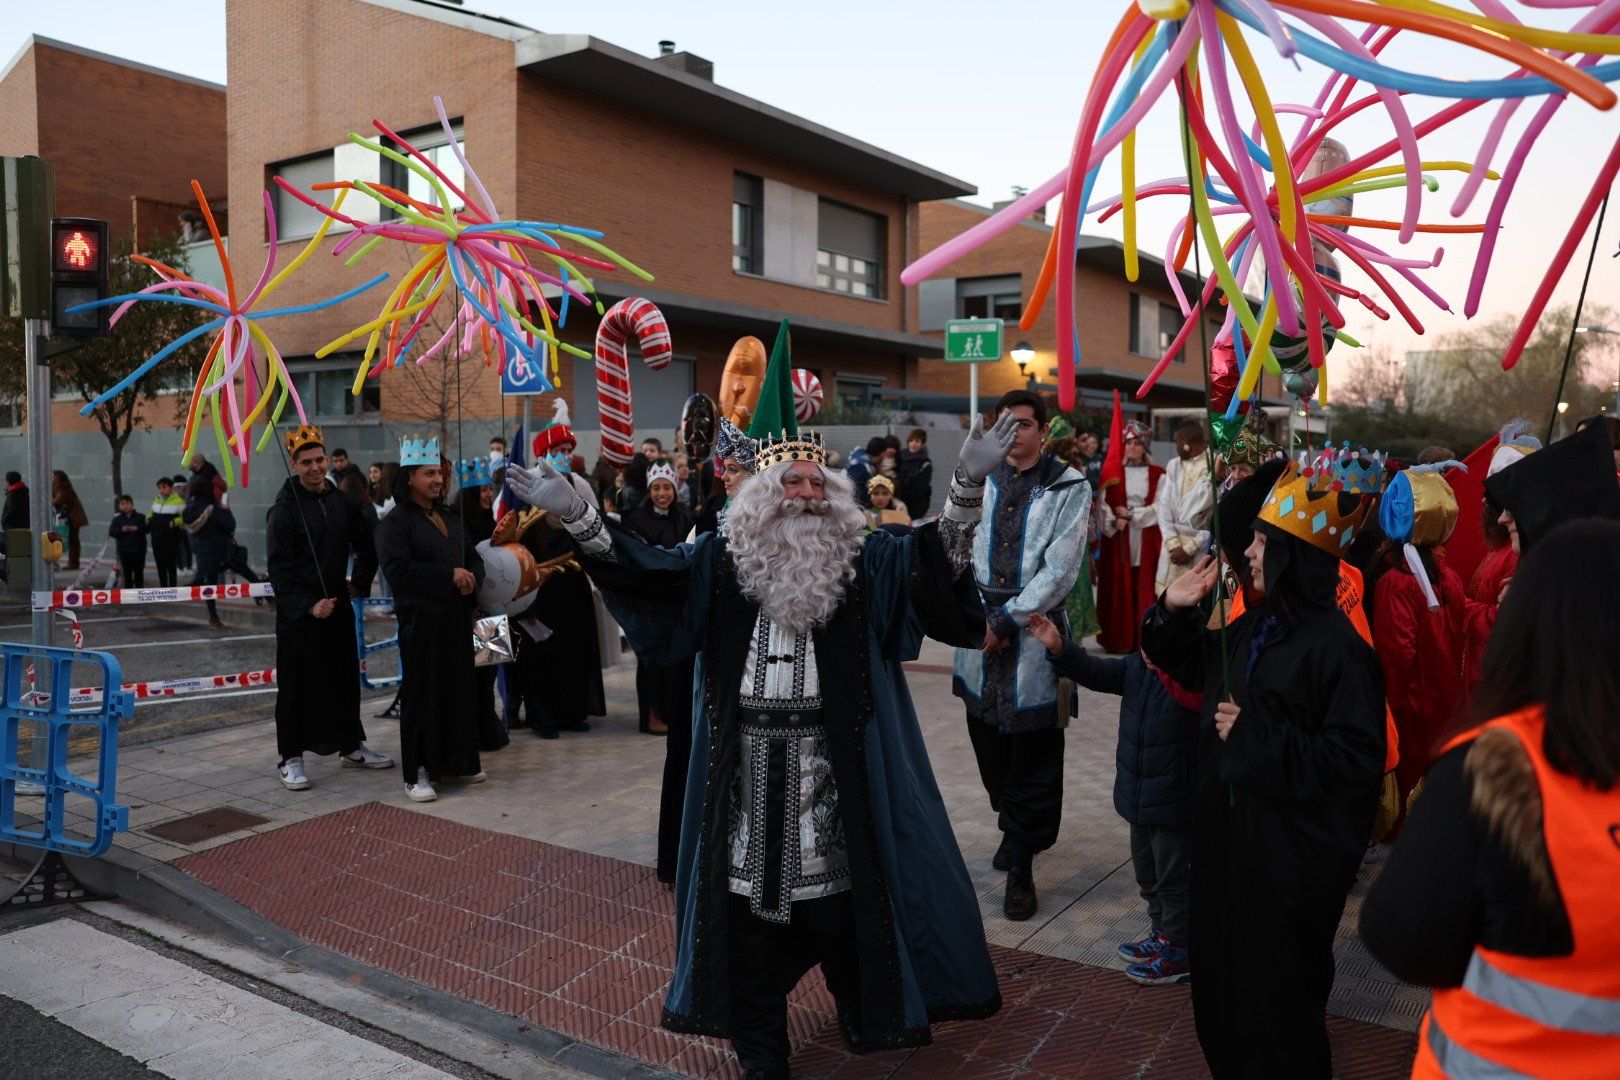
<point>160,889</point>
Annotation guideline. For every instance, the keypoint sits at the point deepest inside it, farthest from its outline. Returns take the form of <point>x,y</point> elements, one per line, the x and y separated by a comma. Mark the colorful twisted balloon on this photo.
<point>230,387</point>
<point>1287,228</point>
<point>492,266</point>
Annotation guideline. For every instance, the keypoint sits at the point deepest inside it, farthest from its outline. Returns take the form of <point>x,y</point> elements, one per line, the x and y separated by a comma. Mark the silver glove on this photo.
<point>984,450</point>
<point>544,487</point>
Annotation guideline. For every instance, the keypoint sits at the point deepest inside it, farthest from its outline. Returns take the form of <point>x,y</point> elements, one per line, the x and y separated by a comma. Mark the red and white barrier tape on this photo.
<point>171,687</point>
<point>79,598</point>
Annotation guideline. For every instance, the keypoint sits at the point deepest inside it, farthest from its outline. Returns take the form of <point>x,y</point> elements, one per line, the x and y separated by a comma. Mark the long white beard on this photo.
<point>794,559</point>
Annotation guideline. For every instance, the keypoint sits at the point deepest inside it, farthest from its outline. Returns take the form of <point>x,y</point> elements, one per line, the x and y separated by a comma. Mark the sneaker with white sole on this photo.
<point>28,787</point>
<point>365,758</point>
<point>293,777</point>
<point>422,790</point>
<point>476,778</point>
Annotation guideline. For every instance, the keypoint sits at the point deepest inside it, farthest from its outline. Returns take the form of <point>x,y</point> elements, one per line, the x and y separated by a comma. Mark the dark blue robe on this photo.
<point>920,935</point>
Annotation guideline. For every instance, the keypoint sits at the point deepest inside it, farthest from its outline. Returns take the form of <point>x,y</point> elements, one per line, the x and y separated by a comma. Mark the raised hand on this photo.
<point>543,486</point>
<point>1045,631</point>
<point>984,450</point>
<point>1190,588</point>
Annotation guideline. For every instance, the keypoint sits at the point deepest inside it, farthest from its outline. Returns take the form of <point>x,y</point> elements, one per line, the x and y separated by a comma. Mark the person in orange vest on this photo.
<point>1291,753</point>
<point>1501,891</point>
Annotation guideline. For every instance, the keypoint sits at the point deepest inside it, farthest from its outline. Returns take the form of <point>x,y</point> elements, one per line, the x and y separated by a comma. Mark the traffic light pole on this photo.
<point>39,471</point>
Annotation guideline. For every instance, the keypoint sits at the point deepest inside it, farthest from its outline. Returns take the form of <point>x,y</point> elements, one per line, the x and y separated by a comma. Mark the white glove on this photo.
<point>984,450</point>
<point>544,487</point>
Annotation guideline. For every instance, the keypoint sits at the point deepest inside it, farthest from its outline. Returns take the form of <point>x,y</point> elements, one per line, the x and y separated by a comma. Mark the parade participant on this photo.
<point>210,527</point>
<point>1571,479</point>
<point>475,500</point>
<point>1420,646</point>
<point>557,678</point>
<point>666,690</point>
<point>128,531</point>
<point>915,487</point>
<point>1130,544</point>
<point>1250,449</point>
<point>1025,560</point>
<point>311,532</point>
<point>161,524</point>
<point>1153,769</point>
<point>1290,763</point>
<point>1183,504</point>
<point>883,508</point>
<point>814,831</point>
<point>734,460</point>
<point>1500,893</point>
<point>1490,577</point>
<point>434,574</point>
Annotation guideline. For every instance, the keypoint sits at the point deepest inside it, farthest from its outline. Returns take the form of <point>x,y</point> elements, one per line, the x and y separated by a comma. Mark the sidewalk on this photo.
<point>533,894</point>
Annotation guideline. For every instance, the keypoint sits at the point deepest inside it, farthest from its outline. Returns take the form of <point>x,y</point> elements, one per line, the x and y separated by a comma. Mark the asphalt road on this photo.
<point>41,1048</point>
<point>155,641</point>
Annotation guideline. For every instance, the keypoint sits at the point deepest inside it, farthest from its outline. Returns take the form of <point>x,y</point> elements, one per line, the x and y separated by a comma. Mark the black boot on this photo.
<point>1005,854</point>
<point>1020,903</point>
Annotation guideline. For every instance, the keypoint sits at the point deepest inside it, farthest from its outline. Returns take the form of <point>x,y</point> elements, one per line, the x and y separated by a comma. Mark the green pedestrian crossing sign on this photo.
<point>970,341</point>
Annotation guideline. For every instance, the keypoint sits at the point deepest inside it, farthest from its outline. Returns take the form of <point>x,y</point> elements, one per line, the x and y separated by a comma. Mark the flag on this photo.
<point>774,415</point>
<point>1466,548</point>
<point>507,499</point>
<point>1113,467</point>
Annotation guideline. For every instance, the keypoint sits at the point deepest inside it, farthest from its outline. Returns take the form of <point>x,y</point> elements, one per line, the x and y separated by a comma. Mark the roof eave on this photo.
<point>611,72</point>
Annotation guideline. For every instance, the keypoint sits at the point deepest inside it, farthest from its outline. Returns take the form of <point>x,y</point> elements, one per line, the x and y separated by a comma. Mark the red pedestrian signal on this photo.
<point>78,276</point>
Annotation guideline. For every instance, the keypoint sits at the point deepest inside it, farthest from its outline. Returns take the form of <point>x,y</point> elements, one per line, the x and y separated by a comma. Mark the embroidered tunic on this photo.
<point>786,836</point>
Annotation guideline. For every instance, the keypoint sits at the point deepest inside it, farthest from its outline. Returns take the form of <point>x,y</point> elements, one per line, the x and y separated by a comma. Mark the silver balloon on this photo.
<point>1300,382</point>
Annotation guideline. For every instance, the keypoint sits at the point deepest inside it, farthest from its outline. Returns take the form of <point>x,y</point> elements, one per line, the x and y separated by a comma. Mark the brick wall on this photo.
<point>19,109</point>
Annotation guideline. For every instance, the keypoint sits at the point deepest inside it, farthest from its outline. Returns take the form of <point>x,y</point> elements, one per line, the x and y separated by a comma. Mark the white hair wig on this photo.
<point>794,557</point>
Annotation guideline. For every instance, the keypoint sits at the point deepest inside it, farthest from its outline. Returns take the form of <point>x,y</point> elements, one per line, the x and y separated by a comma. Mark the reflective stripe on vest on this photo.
<point>1460,1063</point>
<point>1546,1005</point>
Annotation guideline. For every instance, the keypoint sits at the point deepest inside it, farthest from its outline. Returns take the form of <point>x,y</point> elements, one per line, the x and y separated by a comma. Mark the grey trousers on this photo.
<point>1161,857</point>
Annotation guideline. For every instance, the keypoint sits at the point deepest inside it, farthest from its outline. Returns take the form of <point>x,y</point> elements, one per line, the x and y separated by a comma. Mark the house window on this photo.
<point>1153,328</point>
<point>294,217</point>
<point>324,387</point>
<point>849,250</point>
<point>746,199</point>
<point>11,414</point>
<point>990,297</point>
<point>855,389</point>
<point>433,144</point>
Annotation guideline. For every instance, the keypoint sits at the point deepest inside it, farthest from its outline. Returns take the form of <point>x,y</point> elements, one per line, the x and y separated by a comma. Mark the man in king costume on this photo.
<point>814,830</point>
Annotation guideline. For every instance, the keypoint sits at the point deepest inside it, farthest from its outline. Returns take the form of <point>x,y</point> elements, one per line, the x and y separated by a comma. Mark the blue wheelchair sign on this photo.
<point>525,375</point>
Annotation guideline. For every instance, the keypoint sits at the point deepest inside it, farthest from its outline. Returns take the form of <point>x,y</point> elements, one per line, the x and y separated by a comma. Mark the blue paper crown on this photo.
<point>1358,472</point>
<point>473,474</point>
<point>415,451</point>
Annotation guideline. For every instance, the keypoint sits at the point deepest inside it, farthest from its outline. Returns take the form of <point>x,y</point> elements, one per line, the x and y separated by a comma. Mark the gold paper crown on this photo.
<point>880,481</point>
<point>805,446</point>
<point>304,435</point>
<point>1305,502</point>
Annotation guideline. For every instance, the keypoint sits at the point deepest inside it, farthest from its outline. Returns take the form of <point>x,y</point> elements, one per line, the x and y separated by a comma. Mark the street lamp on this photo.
<point>1023,355</point>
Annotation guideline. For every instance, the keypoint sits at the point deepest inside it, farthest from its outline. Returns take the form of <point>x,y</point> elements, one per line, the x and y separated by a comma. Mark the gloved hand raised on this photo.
<point>544,487</point>
<point>984,450</point>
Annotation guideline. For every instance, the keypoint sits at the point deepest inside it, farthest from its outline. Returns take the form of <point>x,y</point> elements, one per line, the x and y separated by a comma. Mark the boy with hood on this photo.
<point>312,528</point>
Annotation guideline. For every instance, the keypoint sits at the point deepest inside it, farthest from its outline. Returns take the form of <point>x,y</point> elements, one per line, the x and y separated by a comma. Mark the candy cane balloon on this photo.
<point>641,318</point>
<point>806,395</point>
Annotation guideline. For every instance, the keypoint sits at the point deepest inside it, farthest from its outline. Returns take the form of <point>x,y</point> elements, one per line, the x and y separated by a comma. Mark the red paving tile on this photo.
<point>584,945</point>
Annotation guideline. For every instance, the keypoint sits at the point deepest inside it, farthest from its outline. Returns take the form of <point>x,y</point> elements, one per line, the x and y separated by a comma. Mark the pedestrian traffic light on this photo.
<point>78,276</point>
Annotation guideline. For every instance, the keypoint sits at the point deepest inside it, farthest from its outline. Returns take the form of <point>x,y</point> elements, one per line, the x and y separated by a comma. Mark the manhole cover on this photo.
<point>206,825</point>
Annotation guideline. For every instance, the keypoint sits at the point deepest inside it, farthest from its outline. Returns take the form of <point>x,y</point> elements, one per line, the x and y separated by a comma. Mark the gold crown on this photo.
<point>880,481</point>
<point>1305,502</point>
<point>805,446</point>
<point>302,436</point>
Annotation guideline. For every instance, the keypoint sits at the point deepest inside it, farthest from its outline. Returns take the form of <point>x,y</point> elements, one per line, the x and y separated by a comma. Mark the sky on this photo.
<point>990,93</point>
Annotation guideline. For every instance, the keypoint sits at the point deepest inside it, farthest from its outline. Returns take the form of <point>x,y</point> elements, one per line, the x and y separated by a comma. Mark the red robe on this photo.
<point>1421,651</point>
<point>1124,593</point>
<point>1483,589</point>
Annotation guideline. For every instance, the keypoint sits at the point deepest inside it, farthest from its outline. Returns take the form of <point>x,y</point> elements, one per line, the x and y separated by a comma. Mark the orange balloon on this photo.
<point>743,380</point>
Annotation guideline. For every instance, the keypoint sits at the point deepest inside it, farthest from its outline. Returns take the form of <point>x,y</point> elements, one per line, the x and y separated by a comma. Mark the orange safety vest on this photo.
<point>1349,596</point>
<point>1552,1017</point>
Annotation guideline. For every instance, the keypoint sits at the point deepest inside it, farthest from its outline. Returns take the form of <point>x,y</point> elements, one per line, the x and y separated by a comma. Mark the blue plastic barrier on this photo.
<point>34,691</point>
<point>366,648</point>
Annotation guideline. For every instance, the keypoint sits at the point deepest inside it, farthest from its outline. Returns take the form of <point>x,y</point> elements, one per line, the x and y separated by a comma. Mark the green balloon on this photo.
<point>1224,430</point>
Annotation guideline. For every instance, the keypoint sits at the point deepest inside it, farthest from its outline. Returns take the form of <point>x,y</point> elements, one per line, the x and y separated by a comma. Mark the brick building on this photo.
<point>743,212</point>
<point>1124,326</point>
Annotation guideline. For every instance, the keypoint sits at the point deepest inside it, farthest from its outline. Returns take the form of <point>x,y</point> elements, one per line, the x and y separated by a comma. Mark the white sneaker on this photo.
<point>366,758</point>
<point>28,787</point>
<point>293,777</point>
<point>422,790</point>
<point>476,778</point>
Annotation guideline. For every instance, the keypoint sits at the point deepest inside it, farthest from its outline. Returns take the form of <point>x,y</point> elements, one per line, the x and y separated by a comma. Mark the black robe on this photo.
<point>1282,812</point>
<point>435,640</point>
<point>560,678</point>
<point>479,525</point>
<point>667,690</point>
<point>317,660</point>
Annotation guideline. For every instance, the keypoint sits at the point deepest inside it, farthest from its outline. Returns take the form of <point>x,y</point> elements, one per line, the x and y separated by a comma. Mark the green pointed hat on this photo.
<point>774,414</point>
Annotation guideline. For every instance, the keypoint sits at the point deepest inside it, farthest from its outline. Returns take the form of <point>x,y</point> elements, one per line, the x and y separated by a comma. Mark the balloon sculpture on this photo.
<point>243,371</point>
<point>807,395</point>
<point>743,380</point>
<point>641,319</point>
<point>1290,197</point>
